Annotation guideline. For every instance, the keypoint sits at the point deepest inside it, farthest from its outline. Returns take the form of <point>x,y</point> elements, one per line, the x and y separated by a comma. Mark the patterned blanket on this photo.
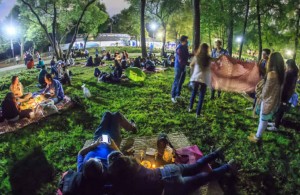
<point>230,74</point>
<point>6,127</point>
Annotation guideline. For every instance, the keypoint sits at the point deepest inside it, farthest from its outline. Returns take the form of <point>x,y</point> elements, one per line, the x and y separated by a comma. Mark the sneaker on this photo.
<point>249,108</point>
<point>173,100</point>
<point>253,138</point>
<point>271,124</point>
<point>189,110</point>
<point>197,116</point>
<point>272,128</point>
<point>179,97</point>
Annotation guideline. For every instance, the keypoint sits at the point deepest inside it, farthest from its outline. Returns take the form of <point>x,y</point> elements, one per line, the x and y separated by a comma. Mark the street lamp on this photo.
<point>11,32</point>
<point>289,52</point>
<point>153,26</point>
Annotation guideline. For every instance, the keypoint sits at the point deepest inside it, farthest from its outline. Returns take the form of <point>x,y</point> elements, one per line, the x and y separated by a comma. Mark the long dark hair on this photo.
<point>292,65</point>
<point>10,97</point>
<point>202,56</point>
<point>276,63</point>
<point>13,79</point>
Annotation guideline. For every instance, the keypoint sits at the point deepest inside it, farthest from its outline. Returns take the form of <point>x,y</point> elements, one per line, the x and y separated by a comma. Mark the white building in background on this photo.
<point>114,39</point>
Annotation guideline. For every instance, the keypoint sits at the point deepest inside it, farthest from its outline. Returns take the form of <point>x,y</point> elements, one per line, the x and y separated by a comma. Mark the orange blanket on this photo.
<point>229,74</point>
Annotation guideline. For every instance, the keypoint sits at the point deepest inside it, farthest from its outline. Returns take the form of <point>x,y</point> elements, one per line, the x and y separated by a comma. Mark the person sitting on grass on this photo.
<point>17,89</point>
<point>41,63</point>
<point>117,70</point>
<point>54,89</point>
<point>66,78</point>
<point>172,179</point>
<point>124,61</point>
<point>269,99</point>
<point>11,111</point>
<point>97,60</point>
<point>289,86</point>
<point>90,61</point>
<point>137,62</point>
<point>41,78</point>
<point>149,65</point>
<point>52,63</point>
<point>30,64</point>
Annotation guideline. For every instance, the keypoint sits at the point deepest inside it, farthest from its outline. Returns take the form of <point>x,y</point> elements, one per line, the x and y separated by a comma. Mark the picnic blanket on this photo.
<point>178,140</point>
<point>6,127</point>
<point>229,74</point>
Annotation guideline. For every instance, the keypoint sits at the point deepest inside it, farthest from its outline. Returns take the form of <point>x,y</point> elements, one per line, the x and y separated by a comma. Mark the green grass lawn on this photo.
<point>38,154</point>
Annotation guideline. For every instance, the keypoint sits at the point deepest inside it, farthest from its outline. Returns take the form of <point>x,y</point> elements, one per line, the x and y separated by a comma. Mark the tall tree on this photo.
<point>163,10</point>
<point>244,28</point>
<point>259,29</point>
<point>230,30</point>
<point>297,33</point>
<point>143,36</point>
<point>196,37</point>
<point>47,15</point>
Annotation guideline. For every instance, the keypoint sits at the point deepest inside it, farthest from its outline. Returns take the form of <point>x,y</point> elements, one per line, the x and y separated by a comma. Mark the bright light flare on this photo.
<point>11,30</point>
<point>239,39</point>
<point>153,26</point>
<point>289,52</point>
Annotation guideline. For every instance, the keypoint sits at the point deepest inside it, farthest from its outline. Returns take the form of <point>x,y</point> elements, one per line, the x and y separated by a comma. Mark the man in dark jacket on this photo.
<point>181,60</point>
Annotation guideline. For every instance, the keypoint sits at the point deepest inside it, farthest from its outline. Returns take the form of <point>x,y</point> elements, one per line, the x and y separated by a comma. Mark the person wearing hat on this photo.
<point>41,78</point>
<point>216,53</point>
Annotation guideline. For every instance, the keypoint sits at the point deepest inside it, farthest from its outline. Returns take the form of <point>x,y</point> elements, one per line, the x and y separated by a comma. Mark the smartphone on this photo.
<point>105,139</point>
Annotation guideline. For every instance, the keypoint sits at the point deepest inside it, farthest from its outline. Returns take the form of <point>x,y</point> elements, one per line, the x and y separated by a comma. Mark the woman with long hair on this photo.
<point>201,76</point>
<point>291,76</point>
<point>17,89</point>
<point>270,97</point>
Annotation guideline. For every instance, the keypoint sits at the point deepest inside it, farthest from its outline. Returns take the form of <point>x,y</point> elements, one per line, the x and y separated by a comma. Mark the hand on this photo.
<point>113,144</point>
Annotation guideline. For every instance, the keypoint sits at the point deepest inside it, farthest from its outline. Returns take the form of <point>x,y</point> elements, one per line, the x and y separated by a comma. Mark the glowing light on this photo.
<point>239,39</point>
<point>153,26</point>
<point>160,34</point>
<point>289,52</point>
<point>11,30</point>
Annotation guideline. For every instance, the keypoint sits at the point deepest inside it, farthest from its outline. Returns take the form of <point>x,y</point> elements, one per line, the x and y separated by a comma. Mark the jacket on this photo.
<point>182,56</point>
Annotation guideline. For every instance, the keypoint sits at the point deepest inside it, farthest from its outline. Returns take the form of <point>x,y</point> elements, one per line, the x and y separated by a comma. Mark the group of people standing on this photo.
<point>273,92</point>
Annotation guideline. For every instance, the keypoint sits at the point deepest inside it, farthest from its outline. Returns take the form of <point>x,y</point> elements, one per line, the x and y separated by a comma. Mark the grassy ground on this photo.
<point>34,157</point>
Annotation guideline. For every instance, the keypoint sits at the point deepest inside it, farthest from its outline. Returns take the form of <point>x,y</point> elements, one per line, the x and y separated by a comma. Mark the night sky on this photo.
<point>113,7</point>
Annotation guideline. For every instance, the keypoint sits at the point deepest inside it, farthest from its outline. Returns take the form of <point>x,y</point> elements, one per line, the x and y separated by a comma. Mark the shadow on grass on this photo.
<point>291,125</point>
<point>30,173</point>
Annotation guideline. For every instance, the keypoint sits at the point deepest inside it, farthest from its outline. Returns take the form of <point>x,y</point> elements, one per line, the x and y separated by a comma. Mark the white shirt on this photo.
<point>202,76</point>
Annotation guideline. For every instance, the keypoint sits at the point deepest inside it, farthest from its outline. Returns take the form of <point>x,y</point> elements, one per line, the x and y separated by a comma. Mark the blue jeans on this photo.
<point>111,124</point>
<point>181,179</point>
<point>201,95</point>
<point>178,81</point>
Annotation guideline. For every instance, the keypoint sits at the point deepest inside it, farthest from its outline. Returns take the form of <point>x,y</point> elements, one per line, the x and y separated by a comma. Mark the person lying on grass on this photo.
<point>11,110</point>
<point>54,89</point>
<point>92,160</point>
<point>130,177</point>
<point>17,89</point>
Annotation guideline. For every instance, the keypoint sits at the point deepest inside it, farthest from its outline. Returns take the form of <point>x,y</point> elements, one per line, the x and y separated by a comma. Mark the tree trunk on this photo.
<point>85,40</point>
<point>244,29</point>
<point>259,29</point>
<point>77,27</point>
<point>196,25</point>
<point>143,36</point>
<point>297,34</point>
<point>54,39</point>
<point>230,31</point>
<point>164,39</point>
